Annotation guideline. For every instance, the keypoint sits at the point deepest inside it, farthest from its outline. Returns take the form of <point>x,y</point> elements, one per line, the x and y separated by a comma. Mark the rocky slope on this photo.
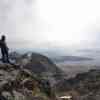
<point>36,77</point>
<point>31,76</point>
<point>18,83</point>
<point>85,86</point>
<point>38,63</point>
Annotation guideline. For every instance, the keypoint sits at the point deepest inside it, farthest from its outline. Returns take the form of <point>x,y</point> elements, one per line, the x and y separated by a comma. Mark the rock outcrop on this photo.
<point>40,65</point>
<point>30,78</point>
<point>36,77</point>
<point>18,83</point>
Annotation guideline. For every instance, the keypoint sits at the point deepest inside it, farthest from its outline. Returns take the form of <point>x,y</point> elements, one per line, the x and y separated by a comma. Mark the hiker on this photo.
<point>4,49</point>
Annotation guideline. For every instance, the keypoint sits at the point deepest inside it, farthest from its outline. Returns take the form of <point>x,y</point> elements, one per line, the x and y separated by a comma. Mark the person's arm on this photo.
<point>0,43</point>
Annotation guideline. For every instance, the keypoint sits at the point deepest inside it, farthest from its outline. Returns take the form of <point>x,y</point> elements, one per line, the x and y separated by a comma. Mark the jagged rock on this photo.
<point>33,75</point>
<point>25,81</point>
<point>38,63</point>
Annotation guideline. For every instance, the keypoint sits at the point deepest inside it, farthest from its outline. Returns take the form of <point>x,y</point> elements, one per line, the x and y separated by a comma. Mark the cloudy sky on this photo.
<point>40,23</point>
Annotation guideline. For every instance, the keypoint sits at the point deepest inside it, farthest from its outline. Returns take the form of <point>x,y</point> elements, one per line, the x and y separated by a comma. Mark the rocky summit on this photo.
<point>18,83</point>
<point>30,77</point>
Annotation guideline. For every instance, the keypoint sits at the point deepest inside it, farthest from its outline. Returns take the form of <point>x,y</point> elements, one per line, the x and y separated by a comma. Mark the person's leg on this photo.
<point>3,55</point>
<point>7,56</point>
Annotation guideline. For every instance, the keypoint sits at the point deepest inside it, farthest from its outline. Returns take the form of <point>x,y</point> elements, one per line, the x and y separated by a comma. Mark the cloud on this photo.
<point>35,22</point>
<point>20,22</point>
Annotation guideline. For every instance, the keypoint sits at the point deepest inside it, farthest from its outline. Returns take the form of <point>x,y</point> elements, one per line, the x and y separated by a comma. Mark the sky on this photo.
<point>49,23</point>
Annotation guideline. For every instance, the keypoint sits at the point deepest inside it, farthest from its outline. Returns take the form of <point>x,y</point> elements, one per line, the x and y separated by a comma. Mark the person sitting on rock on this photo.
<point>4,49</point>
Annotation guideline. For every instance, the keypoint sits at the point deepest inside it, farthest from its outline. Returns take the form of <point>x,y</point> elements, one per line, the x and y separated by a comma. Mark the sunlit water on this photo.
<point>94,55</point>
<point>74,67</point>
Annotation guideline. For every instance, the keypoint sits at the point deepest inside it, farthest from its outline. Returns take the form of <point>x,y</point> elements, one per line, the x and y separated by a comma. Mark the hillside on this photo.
<point>35,77</point>
<point>39,64</point>
<point>18,83</point>
<point>85,86</point>
<point>30,77</point>
<point>71,58</point>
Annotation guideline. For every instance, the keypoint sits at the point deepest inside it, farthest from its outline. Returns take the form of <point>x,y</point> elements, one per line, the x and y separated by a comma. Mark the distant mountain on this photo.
<point>14,55</point>
<point>89,50</point>
<point>70,58</point>
<point>38,64</point>
<point>31,76</point>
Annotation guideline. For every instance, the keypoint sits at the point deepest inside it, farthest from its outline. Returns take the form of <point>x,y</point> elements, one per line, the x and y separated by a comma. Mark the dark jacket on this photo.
<point>3,46</point>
